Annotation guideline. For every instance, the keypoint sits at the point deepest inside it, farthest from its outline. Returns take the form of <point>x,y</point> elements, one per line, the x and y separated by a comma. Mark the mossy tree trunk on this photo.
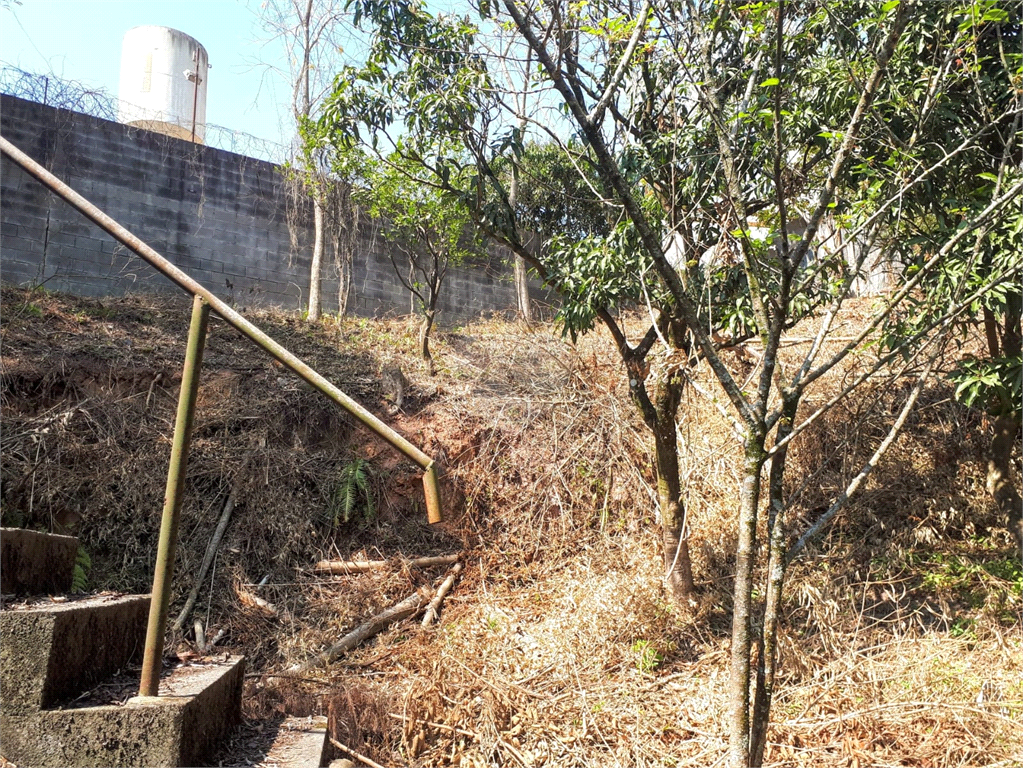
<point>659,407</point>
<point>742,608</point>
<point>678,569</point>
<point>999,472</point>
<point>424,334</point>
<point>767,658</point>
<point>1007,416</point>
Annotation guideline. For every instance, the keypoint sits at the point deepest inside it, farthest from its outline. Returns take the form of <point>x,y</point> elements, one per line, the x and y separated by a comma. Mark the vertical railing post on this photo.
<point>160,600</point>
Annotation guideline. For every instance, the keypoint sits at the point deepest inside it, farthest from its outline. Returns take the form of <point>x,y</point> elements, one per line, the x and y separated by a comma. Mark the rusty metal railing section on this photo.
<point>203,301</point>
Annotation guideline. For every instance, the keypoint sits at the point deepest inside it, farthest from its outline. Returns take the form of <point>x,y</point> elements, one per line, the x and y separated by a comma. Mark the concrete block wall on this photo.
<point>219,216</point>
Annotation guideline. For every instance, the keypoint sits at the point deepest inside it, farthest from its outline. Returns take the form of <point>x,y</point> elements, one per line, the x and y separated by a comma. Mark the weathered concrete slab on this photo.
<point>216,707</point>
<point>301,742</point>
<point>34,563</point>
<point>197,707</point>
<point>54,651</point>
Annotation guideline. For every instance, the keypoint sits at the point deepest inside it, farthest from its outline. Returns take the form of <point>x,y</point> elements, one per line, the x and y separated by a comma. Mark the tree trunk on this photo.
<point>1007,425</point>
<point>344,283</point>
<point>1012,334</point>
<point>660,418</point>
<point>424,337</point>
<point>522,290</point>
<point>521,278</point>
<point>991,332</point>
<point>742,610</point>
<point>678,568</point>
<point>767,661</point>
<point>999,473</point>
<point>314,268</point>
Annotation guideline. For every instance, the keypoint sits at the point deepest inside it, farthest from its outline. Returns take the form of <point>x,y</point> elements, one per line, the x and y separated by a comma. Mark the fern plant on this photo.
<point>353,496</point>
<point>83,564</point>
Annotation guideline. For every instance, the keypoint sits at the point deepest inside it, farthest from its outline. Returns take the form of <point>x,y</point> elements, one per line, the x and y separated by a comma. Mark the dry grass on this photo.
<point>902,641</point>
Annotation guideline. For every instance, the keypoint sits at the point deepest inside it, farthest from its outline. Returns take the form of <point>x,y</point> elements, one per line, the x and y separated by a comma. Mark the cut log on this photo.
<point>434,608</point>
<point>341,567</point>
<point>407,607</point>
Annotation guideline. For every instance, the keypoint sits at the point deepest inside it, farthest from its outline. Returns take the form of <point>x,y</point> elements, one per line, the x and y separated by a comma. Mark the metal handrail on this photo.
<point>204,300</point>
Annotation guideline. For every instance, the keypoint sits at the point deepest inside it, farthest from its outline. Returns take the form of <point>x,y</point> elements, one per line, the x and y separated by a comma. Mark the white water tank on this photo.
<point>163,82</point>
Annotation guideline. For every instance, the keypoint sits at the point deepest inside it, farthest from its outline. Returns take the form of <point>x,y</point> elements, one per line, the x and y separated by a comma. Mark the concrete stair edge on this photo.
<point>36,563</point>
<point>182,727</point>
<point>55,651</point>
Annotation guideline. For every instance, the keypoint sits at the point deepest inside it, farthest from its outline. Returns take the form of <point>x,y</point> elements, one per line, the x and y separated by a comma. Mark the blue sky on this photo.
<point>81,40</point>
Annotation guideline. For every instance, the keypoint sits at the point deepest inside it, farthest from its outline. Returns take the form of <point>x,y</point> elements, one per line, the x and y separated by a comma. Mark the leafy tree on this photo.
<point>978,51</point>
<point>434,88</point>
<point>995,382</point>
<point>553,198</point>
<point>701,122</point>
<point>433,230</point>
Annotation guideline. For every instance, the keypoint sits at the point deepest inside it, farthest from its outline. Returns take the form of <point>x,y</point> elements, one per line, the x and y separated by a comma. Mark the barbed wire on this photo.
<point>57,92</point>
<point>72,95</point>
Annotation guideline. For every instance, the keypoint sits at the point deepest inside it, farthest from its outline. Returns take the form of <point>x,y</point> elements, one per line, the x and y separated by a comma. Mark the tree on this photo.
<point>995,383</point>
<point>521,268</point>
<point>434,87</point>
<point>550,200</point>
<point>312,33</point>
<point>979,51</point>
<point>701,122</point>
<point>553,198</point>
<point>431,229</point>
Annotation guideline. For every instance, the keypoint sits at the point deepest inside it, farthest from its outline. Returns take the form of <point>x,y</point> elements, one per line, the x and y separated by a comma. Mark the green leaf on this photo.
<point>770,81</point>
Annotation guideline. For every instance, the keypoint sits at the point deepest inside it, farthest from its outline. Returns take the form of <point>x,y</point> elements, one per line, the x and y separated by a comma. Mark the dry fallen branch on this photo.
<point>341,567</point>
<point>407,607</point>
<point>358,756</point>
<point>200,637</point>
<point>438,726</point>
<point>251,600</point>
<point>433,609</point>
<point>211,551</point>
<point>216,638</point>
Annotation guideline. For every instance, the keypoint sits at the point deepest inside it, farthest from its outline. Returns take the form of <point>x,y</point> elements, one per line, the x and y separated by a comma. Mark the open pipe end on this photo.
<point>431,485</point>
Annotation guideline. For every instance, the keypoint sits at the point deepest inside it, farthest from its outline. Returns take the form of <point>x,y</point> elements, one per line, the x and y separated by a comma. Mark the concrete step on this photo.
<point>52,651</point>
<point>301,742</point>
<point>34,563</point>
<point>198,706</point>
<point>292,742</point>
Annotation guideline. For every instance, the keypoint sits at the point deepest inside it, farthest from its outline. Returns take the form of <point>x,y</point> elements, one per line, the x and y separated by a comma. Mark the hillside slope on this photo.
<point>903,639</point>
